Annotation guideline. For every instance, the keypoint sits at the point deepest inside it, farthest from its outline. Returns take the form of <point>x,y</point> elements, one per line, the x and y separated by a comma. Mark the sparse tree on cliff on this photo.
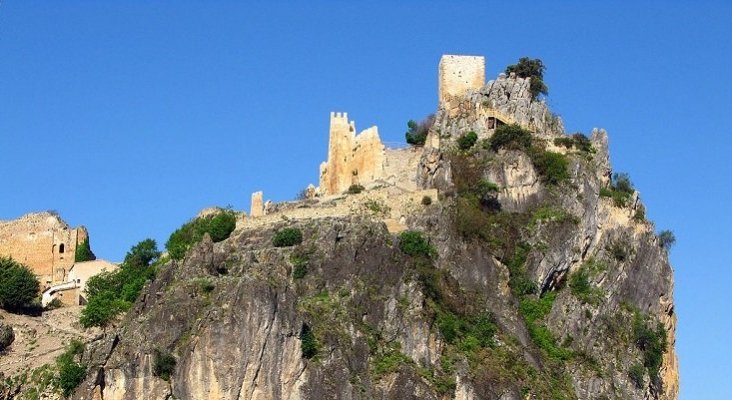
<point>533,69</point>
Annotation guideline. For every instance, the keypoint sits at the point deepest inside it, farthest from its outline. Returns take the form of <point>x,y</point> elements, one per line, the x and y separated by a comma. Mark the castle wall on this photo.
<point>352,159</point>
<point>458,74</point>
<point>43,242</point>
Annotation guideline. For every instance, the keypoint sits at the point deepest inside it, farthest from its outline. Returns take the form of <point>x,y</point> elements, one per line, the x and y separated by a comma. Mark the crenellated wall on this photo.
<point>352,159</point>
<point>43,242</point>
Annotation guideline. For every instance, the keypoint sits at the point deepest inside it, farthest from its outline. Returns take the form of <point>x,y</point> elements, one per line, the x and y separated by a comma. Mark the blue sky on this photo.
<point>130,117</point>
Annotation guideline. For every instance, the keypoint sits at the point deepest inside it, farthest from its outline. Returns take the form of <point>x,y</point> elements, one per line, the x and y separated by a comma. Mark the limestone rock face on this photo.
<point>533,291</point>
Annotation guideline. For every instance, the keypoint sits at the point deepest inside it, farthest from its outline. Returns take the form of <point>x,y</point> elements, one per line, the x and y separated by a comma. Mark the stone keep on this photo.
<point>458,74</point>
<point>352,159</point>
<point>257,205</point>
<point>43,242</point>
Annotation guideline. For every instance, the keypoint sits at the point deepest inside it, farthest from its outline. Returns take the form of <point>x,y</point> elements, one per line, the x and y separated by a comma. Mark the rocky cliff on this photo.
<point>514,284</point>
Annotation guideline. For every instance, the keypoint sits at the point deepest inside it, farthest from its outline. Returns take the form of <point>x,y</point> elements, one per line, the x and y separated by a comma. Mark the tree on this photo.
<point>534,70</point>
<point>666,239</point>
<point>417,133</point>
<point>142,254</point>
<point>18,284</point>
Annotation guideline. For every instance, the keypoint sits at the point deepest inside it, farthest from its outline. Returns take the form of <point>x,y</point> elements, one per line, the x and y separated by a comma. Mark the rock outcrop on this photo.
<point>509,284</point>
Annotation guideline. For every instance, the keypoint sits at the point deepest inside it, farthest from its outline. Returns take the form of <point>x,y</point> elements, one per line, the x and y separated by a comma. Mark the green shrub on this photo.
<point>111,293</point>
<point>102,308</point>
<point>636,373</point>
<point>83,252</point>
<point>70,371</point>
<point>466,141</point>
<point>651,342</point>
<point>426,200</point>
<point>355,189</point>
<point>18,284</point>
<point>287,237</point>
<point>512,137</point>
<point>553,167</point>
<point>300,264</point>
<point>620,191</point>
<point>309,344</point>
<point>666,239</point>
<point>417,133</point>
<point>389,361</point>
<point>618,251</point>
<point>534,70</point>
<point>576,140</point>
<point>219,226</point>
<point>414,244</point>
<point>163,364</point>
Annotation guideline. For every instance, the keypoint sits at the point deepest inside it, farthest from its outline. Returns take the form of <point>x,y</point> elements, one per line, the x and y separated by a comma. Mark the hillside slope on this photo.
<point>515,283</point>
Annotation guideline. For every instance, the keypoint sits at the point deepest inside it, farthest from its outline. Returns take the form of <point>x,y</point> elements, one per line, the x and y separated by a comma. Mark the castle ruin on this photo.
<point>43,242</point>
<point>352,159</point>
<point>458,75</point>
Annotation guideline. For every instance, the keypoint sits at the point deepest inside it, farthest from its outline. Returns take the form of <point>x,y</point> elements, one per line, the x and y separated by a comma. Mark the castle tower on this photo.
<point>458,74</point>
<point>352,159</point>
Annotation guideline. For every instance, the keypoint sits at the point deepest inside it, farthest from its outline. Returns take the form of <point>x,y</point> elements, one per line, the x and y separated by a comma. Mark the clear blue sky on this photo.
<point>130,117</point>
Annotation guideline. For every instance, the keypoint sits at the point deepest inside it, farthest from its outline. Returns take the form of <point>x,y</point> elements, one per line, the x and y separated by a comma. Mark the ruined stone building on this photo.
<point>43,242</point>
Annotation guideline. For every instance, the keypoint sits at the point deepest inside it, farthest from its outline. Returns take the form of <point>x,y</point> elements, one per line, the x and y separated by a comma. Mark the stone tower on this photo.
<point>352,159</point>
<point>458,74</point>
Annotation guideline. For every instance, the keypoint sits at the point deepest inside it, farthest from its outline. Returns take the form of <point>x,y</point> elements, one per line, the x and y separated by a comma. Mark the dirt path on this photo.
<point>39,340</point>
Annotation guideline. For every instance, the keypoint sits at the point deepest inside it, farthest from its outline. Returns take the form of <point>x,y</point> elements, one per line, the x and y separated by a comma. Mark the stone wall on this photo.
<point>352,159</point>
<point>458,75</point>
<point>43,242</point>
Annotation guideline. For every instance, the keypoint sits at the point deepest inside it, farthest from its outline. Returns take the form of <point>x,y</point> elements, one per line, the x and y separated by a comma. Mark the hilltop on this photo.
<point>497,258</point>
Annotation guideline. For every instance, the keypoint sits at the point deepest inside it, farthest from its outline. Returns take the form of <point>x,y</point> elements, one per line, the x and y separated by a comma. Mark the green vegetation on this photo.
<point>219,226</point>
<point>287,237</point>
<point>533,69</point>
<point>111,293</point>
<point>511,137</point>
<point>466,141</point>
<point>617,251</point>
<point>83,252</point>
<point>355,189</point>
<point>636,373</point>
<point>553,167</point>
<point>579,281</point>
<point>533,311</point>
<point>414,244</point>
<point>550,214</point>
<point>300,266</point>
<point>163,364</point>
<point>417,133</point>
<point>651,342</point>
<point>18,285</point>
<point>71,372</point>
<point>388,360</point>
<point>468,332</point>
<point>426,200</point>
<point>666,239</point>
<point>620,191</point>
<point>309,344</point>
<point>577,141</point>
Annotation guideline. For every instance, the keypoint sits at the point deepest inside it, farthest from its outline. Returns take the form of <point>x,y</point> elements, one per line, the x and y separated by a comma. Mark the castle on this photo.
<point>363,159</point>
<point>43,242</point>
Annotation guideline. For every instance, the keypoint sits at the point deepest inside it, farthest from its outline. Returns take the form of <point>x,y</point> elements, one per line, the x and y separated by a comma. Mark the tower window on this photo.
<point>61,248</point>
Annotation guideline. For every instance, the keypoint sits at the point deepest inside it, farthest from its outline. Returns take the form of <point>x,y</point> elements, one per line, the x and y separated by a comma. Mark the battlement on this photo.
<point>352,158</point>
<point>458,75</point>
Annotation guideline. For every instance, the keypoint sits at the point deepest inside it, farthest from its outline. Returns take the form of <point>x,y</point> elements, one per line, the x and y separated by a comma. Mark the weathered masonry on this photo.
<point>43,242</point>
